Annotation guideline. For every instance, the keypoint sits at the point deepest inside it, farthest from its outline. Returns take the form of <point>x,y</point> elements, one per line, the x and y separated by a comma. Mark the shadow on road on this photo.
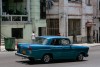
<point>27,62</point>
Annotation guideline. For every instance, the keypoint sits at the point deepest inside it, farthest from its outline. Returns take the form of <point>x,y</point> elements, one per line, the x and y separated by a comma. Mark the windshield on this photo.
<point>40,40</point>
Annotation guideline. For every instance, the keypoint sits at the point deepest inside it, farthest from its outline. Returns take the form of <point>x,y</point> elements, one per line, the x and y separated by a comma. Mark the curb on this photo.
<point>95,45</point>
<point>6,50</point>
<point>2,49</point>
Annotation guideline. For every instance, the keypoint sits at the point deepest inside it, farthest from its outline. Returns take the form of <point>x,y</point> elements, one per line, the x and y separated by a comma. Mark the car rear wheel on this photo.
<point>80,57</point>
<point>46,58</point>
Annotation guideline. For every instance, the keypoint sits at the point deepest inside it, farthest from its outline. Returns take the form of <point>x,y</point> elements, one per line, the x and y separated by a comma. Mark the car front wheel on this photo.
<point>46,58</point>
<point>80,57</point>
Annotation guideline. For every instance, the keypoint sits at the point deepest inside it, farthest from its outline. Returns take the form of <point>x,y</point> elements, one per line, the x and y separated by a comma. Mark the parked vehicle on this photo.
<point>49,48</point>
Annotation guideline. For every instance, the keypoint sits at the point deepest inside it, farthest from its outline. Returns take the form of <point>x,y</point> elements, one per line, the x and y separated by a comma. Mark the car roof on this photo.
<point>50,37</point>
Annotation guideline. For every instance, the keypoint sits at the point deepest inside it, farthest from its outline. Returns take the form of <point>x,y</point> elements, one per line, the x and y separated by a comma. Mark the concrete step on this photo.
<point>2,41</point>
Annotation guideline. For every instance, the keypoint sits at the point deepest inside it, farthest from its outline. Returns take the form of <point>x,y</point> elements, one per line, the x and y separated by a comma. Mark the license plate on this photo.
<point>24,52</point>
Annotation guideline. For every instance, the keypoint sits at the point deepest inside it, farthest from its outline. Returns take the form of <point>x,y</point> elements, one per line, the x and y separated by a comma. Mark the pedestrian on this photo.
<point>58,34</point>
<point>33,37</point>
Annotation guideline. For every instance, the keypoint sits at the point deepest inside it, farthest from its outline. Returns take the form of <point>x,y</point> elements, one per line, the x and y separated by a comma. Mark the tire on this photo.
<point>80,57</point>
<point>46,58</point>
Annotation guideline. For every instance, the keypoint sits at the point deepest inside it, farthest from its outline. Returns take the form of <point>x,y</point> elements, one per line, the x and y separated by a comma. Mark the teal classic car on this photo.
<point>48,48</point>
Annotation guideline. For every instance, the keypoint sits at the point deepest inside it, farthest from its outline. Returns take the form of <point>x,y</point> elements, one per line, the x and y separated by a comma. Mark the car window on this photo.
<point>56,42</point>
<point>65,42</point>
<point>40,40</point>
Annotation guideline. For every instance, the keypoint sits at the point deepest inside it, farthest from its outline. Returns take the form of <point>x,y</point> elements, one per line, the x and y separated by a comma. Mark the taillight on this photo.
<point>29,48</point>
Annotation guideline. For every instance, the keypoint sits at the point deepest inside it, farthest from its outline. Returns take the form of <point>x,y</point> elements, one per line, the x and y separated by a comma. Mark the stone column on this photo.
<point>28,9</point>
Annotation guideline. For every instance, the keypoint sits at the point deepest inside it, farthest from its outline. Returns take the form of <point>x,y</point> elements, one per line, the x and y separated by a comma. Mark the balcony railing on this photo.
<point>14,18</point>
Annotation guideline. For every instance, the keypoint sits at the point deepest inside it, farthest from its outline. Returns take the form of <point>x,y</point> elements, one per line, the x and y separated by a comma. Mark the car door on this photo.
<point>67,51</point>
<point>56,49</point>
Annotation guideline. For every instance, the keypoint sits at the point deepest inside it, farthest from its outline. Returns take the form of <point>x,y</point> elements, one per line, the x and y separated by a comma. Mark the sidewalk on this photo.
<point>88,44</point>
<point>2,48</point>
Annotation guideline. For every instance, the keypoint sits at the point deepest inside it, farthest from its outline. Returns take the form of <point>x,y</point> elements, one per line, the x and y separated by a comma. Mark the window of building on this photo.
<point>52,26</point>
<point>17,33</point>
<point>43,9</point>
<point>14,7</point>
<point>74,27</point>
<point>88,2</point>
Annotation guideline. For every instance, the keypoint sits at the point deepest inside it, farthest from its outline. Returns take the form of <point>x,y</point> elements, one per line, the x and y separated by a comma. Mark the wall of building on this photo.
<point>35,16</point>
<point>6,31</point>
<point>35,22</point>
<point>96,16</point>
<point>71,10</point>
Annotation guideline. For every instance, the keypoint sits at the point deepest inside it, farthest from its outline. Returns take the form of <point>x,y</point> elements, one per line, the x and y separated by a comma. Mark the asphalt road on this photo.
<point>8,59</point>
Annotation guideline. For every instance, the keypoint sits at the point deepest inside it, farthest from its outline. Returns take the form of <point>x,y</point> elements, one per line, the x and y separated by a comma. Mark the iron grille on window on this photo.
<point>74,27</point>
<point>52,26</point>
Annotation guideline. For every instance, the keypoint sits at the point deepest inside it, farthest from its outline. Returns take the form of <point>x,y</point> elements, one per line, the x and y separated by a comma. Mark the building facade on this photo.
<point>96,18</point>
<point>72,18</point>
<point>21,17</point>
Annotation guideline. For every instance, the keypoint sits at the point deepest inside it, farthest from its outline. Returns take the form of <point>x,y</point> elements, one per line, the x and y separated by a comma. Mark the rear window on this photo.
<point>40,40</point>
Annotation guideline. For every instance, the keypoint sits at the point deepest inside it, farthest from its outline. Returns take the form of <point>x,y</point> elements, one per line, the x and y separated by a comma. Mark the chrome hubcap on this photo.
<point>80,57</point>
<point>46,58</point>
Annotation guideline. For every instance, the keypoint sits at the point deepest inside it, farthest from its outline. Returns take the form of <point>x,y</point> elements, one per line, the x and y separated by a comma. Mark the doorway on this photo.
<point>88,34</point>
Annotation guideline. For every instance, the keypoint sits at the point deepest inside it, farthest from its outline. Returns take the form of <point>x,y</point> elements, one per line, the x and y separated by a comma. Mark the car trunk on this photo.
<point>23,48</point>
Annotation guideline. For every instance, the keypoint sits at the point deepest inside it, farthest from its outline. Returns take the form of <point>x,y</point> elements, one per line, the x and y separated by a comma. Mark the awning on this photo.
<point>90,24</point>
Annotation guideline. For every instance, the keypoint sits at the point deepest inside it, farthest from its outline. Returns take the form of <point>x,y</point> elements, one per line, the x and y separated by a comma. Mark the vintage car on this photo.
<point>48,48</point>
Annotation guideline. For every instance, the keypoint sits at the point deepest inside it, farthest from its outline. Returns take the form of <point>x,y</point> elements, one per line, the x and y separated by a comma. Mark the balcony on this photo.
<point>15,11</point>
<point>14,18</point>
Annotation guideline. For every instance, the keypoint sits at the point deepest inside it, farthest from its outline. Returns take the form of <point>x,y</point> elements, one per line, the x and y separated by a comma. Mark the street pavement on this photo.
<point>2,48</point>
<point>8,59</point>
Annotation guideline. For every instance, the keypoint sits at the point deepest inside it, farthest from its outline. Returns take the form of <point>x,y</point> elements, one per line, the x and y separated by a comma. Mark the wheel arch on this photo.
<point>51,55</point>
<point>83,53</point>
